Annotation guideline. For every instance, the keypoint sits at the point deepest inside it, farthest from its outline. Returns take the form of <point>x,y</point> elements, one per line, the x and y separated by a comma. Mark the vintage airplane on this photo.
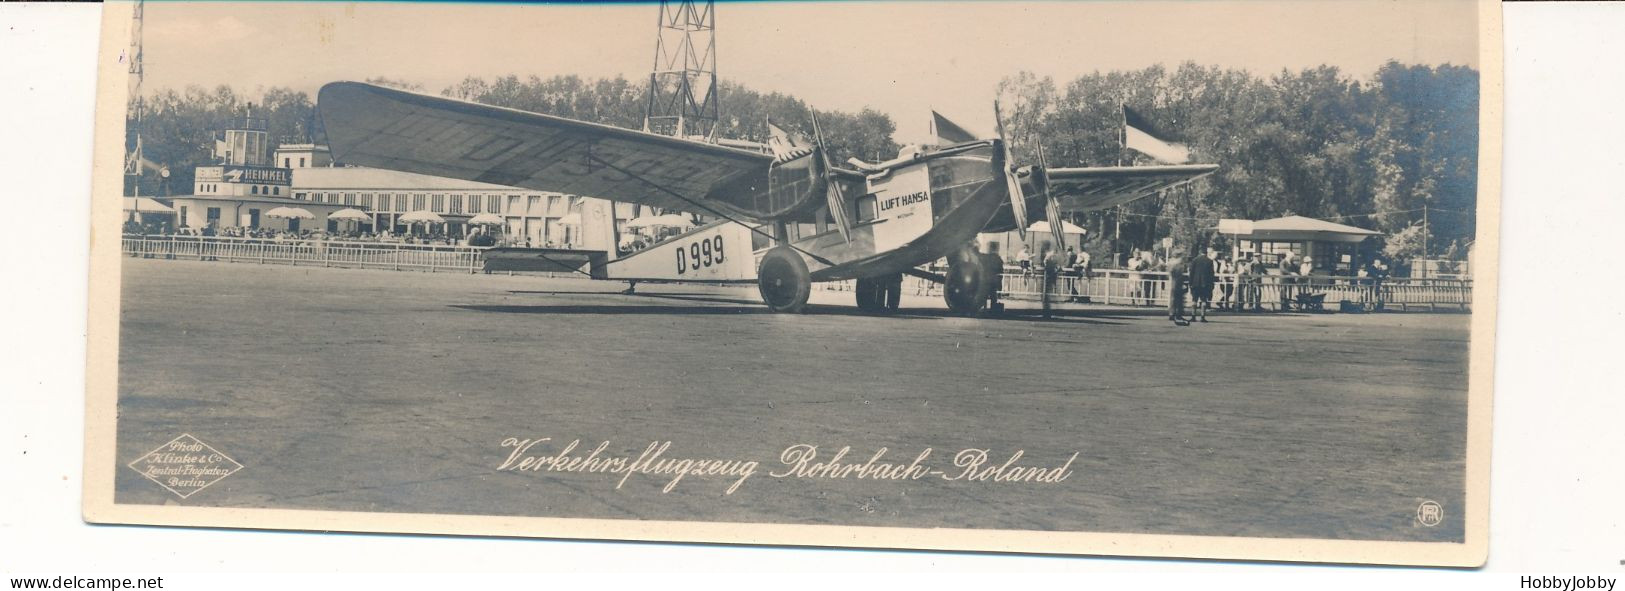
<point>871,222</point>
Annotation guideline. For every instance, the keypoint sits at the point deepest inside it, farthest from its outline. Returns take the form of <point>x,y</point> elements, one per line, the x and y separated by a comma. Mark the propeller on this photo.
<point>833,196</point>
<point>1018,199</point>
<point>1052,206</point>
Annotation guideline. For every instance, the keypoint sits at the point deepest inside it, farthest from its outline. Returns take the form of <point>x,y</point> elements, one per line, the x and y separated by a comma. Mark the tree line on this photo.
<point>1380,152</point>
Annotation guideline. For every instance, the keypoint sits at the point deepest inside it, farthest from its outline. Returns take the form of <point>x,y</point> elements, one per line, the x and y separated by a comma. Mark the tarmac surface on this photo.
<point>395,391</point>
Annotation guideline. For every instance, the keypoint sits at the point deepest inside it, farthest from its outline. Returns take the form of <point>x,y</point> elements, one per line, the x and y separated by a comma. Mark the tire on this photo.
<point>966,286</point>
<point>868,292</point>
<point>783,280</point>
<point>892,288</point>
<point>880,294</point>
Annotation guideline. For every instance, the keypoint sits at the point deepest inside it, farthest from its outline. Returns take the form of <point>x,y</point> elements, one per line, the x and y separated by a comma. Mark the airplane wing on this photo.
<point>1095,188</point>
<point>381,127</point>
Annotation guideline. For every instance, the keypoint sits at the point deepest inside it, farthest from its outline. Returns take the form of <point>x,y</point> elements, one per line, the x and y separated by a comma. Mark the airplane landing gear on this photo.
<point>969,283</point>
<point>783,280</point>
<point>880,294</point>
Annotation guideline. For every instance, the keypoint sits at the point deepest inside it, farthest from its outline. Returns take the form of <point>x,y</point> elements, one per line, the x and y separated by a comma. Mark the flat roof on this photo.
<point>353,178</point>
<point>253,199</point>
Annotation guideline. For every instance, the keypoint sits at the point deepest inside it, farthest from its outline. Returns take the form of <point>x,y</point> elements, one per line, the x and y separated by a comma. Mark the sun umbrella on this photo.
<point>485,219</point>
<point>1066,228</point>
<point>673,220</point>
<point>640,222</point>
<point>292,213</point>
<point>419,217</point>
<point>350,215</point>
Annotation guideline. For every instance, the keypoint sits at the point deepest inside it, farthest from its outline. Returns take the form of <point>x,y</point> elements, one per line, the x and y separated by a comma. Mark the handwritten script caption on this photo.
<point>796,461</point>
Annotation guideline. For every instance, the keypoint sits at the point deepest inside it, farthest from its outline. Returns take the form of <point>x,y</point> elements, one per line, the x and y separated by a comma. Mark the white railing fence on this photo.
<point>1267,292</point>
<point>1114,287</point>
<point>323,253</point>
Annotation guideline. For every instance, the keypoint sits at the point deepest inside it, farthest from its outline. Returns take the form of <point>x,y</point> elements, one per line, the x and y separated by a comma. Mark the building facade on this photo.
<point>251,180</point>
<point>536,218</point>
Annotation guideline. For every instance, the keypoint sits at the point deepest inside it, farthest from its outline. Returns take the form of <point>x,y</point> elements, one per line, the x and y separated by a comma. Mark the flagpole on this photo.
<point>1122,146</point>
<point>1122,130</point>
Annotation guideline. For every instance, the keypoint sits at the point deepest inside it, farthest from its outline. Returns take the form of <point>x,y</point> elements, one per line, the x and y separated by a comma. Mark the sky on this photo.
<point>903,59</point>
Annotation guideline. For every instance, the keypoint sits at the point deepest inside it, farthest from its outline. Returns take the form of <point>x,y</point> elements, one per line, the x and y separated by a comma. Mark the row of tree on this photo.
<point>1381,153</point>
<point>1387,153</point>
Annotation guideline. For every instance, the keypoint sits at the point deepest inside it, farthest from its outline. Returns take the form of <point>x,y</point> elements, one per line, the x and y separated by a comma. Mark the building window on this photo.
<point>456,205</point>
<point>535,205</point>
<point>383,202</point>
<point>286,162</point>
<point>212,217</point>
<point>439,203</point>
<point>474,202</point>
<point>255,189</point>
<point>366,200</point>
<point>302,196</point>
<point>495,201</point>
<point>418,201</point>
<point>301,162</point>
<point>554,203</point>
<point>349,198</point>
<point>276,190</point>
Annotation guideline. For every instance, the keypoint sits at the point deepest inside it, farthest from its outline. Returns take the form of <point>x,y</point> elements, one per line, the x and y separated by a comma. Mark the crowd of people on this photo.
<point>1208,280</point>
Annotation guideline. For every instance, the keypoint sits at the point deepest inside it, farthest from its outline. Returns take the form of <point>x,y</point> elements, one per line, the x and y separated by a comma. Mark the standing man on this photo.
<point>1289,268</point>
<point>1178,284</point>
<point>1227,281</point>
<point>1202,279</point>
<point>1247,276</point>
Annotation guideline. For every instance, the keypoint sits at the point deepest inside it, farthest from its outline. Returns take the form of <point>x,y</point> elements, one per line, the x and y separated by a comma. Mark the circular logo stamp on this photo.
<point>1429,513</point>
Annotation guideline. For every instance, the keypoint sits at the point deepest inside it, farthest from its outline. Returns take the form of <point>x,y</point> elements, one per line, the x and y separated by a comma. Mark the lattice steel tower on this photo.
<point>133,159</point>
<point>683,86</point>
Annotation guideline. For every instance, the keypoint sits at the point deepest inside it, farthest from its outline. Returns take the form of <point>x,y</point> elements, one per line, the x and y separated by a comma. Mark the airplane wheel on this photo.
<point>868,294</point>
<point>893,290</point>
<point>966,287</point>
<point>783,280</point>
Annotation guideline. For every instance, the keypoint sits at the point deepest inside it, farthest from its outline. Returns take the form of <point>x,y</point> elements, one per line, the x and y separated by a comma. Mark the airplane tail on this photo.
<point>720,251</point>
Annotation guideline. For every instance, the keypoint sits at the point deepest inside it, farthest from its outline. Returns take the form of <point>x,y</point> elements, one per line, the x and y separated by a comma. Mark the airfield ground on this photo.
<point>393,391</point>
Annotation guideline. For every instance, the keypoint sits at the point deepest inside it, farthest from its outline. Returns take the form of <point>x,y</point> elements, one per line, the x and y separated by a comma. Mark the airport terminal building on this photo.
<point>251,180</point>
<point>537,217</point>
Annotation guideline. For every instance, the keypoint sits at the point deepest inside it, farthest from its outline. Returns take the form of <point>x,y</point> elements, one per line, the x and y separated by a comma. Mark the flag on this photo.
<point>220,150</point>
<point>786,145</point>
<point>948,133</point>
<point>1140,136</point>
<point>132,162</point>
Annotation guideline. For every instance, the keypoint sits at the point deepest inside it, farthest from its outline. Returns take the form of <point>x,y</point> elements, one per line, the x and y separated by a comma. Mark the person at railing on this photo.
<point>1249,276</point>
<point>1139,288</point>
<point>1378,273</point>
<point>1202,278</point>
<point>1025,259</point>
<point>1226,272</point>
<point>1287,279</point>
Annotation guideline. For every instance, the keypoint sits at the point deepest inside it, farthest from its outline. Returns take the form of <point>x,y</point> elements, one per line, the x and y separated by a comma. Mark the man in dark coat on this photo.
<point>1178,284</point>
<point>1202,279</point>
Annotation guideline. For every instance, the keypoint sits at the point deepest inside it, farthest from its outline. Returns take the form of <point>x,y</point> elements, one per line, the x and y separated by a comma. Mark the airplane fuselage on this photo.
<point>909,214</point>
